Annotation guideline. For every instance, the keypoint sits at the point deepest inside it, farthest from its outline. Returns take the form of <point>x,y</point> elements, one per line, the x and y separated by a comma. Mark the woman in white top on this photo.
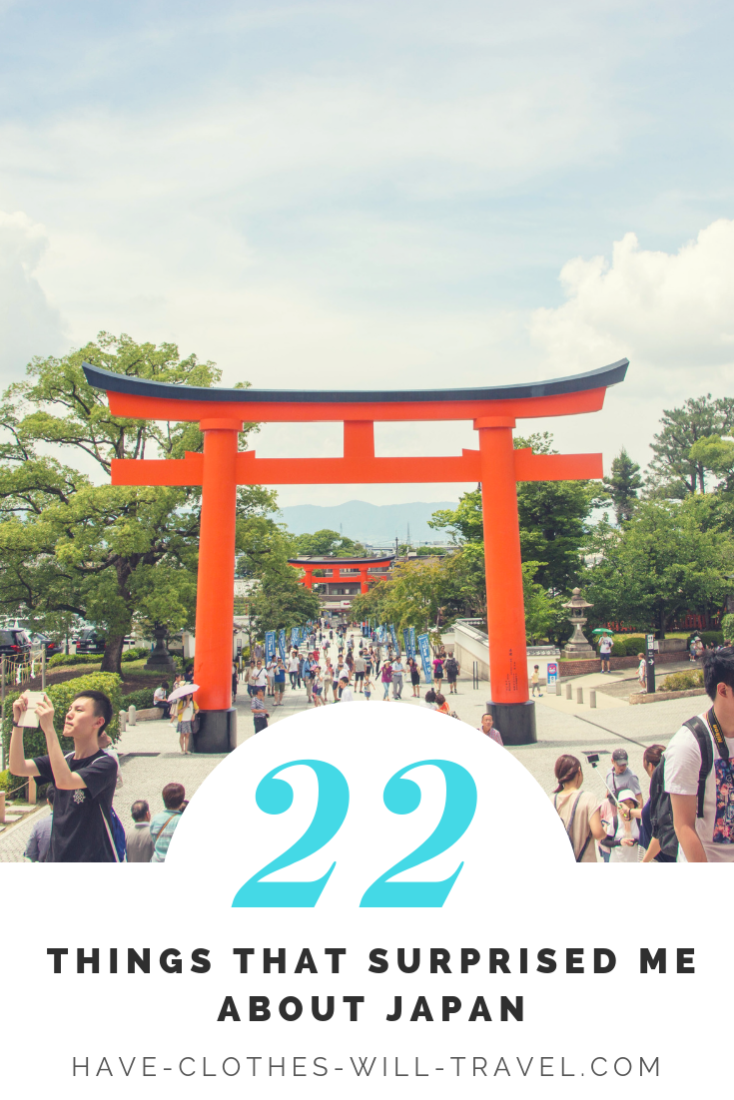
<point>577,809</point>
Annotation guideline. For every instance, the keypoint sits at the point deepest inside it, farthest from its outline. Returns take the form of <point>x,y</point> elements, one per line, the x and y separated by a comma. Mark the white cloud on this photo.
<point>666,312</point>
<point>29,323</point>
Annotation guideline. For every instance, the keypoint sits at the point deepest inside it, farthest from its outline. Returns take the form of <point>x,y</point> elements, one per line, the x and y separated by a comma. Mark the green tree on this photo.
<point>716,455</point>
<point>673,472</point>
<point>279,600</point>
<point>660,564</point>
<point>325,544</point>
<point>553,519</point>
<point>623,484</point>
<point>101,552</point>
<point>545,617</point>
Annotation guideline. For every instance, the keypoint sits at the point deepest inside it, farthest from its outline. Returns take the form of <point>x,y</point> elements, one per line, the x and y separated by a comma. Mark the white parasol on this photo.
<point>179,692</point>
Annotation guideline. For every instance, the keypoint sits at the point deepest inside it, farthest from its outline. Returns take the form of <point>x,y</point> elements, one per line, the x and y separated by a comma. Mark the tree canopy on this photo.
<point>554,520</point>
<point>661,563</point>
<point>104,553</point>
<point>325,544</point>
<point>623,484</point>
<point>675,470</point>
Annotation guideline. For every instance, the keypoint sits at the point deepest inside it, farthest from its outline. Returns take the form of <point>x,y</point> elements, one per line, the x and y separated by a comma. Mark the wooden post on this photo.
<point>32,790</point>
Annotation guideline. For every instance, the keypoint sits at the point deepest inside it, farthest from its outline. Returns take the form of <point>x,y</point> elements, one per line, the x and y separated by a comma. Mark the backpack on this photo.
<point>661,806</point>
<point>116,834</point>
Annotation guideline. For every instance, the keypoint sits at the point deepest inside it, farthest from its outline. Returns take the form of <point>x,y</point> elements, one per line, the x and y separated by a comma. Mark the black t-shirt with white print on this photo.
<point>79,833</point>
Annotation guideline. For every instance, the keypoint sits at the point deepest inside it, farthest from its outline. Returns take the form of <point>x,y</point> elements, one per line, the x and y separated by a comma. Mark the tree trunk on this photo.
<point>661,623</point>
<point>112,658</point>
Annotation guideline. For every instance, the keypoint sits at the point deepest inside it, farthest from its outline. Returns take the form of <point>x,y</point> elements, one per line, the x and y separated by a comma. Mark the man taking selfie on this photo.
<point>84,780</point>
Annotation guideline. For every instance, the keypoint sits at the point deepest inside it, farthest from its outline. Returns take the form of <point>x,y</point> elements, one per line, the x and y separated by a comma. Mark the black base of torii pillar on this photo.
<point>515,721</point>
<point>217,732</point>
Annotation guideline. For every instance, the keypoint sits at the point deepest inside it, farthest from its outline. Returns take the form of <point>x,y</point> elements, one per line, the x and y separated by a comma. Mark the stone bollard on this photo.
<point>579,695</point>
<point>559,688</point>
<point>32,791</point>
<point>592,700</point>
<point>569,691</point>
<point>131,713</point>
<point>123,720</point>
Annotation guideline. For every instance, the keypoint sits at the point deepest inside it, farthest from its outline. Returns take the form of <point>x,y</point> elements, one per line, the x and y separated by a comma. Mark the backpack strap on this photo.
<point>109,835</point>
<point>569,827</point>
<point>159,834</point>
<point>701,733</point>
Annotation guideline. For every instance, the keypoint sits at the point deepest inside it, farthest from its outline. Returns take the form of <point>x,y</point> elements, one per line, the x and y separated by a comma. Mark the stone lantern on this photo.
<point>160,660</point>
<point>577,648</point>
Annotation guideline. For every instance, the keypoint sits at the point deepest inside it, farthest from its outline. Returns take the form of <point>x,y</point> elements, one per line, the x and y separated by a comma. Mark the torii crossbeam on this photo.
<point>221,414</point>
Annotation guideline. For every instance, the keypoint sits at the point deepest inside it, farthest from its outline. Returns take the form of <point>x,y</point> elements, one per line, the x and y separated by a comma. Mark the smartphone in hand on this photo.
<point>30,717</point>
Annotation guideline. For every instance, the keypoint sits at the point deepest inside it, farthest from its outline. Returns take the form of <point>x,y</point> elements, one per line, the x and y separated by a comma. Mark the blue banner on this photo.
<point>409,640</point>
<point>294,637</point>
<point>394,636</point>
<point>412,642</point>
<point>269,645</point>
<point>281,644</point>
<point>382,634</point>
<point>425,649</point>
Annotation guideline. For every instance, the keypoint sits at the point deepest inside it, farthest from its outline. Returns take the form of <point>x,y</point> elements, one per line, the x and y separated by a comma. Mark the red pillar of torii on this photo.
<point>221,413</point>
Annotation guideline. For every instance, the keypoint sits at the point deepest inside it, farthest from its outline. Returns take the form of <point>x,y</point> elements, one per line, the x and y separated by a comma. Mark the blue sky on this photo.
<point>339,194</point>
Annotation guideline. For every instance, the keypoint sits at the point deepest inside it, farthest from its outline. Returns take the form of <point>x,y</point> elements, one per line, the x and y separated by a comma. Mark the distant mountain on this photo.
<point>373,523</point>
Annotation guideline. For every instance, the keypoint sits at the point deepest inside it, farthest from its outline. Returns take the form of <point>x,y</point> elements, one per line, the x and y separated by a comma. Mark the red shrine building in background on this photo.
<point>336,581</point>
<point>495,463</point>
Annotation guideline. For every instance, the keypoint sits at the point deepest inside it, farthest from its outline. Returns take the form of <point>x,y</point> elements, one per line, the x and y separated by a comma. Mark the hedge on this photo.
<point>708,637</point>
<point>61,695</point>
<point>136,653</point>
<point>683,681</point>
<point>141,699</point>
<point>64,660</point>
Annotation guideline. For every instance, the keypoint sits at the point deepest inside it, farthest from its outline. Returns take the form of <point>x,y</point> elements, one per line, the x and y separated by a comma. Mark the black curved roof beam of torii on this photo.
<point>119,386</point>
<point>358,410</point>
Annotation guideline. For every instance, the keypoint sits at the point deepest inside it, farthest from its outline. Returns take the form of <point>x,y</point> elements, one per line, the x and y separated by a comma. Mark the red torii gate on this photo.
<point>221,468</point>
<point>337,567</point>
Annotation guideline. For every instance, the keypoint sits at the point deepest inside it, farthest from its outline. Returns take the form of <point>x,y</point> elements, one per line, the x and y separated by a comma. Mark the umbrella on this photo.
<point>179,692</point>
<point>602,630</point>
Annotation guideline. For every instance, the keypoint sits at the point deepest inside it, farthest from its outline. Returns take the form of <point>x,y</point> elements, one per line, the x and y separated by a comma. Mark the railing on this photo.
<point>14,674</point>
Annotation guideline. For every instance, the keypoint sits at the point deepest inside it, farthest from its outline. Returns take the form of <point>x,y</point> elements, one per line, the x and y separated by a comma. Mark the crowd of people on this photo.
<point>688,816</point>
<point>335,669</point>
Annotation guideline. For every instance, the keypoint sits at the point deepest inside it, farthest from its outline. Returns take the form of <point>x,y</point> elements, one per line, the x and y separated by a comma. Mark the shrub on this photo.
<point>62,660</point>
<point>727,628</point>
<point>136,653</point>
<point>141,699</point>
<point>683,681</point>
<point>61,696</point>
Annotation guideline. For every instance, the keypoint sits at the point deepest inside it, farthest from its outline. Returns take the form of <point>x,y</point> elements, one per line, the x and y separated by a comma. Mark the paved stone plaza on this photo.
<point>150,756</point>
